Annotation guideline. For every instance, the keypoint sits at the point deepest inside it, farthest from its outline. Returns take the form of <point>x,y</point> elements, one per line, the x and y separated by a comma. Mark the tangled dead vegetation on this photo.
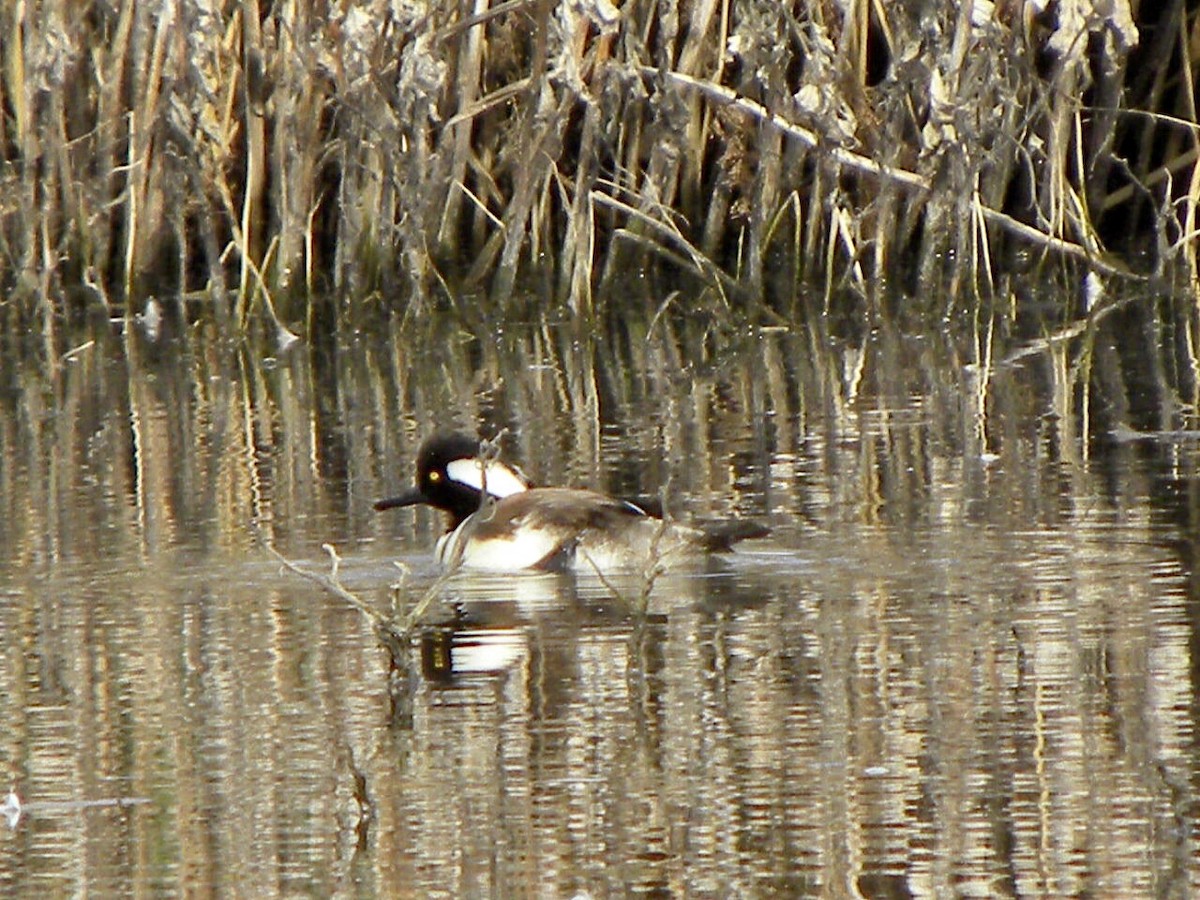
<point>255,157</point>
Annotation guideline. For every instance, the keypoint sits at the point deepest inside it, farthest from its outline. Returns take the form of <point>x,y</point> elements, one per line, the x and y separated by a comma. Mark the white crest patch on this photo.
<point>501,480</point>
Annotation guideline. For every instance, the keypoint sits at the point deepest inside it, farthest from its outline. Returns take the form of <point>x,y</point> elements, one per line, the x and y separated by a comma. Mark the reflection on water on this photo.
<point>962,664</point>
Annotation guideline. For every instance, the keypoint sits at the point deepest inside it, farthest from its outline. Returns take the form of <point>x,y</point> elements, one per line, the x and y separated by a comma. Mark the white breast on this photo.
<point>645,543</point>
<point>522,550</point>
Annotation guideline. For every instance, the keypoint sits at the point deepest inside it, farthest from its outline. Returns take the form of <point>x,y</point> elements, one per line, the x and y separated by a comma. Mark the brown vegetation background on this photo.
<point>248,155</point>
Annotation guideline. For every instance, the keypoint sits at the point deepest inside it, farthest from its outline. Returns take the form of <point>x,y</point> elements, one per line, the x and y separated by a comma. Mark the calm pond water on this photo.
<point>963,664</point>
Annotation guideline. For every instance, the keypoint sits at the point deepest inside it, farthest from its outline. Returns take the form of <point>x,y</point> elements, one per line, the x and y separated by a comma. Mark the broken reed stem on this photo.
<point>866,166</point>
<point>255,136</point>
<point>1193,189</point>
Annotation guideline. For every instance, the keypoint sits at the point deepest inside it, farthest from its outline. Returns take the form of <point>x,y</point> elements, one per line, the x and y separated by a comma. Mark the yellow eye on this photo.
<point>435,476</point>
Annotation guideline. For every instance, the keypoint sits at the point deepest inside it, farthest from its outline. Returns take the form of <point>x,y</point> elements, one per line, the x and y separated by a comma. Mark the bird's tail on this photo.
<point>719,537</point>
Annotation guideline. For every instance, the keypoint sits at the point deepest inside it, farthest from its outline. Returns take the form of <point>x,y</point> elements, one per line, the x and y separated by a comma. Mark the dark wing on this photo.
<point>566,510</point>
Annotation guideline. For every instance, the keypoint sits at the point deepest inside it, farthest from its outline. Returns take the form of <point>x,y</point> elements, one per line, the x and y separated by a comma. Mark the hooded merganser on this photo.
<point>498,521</point>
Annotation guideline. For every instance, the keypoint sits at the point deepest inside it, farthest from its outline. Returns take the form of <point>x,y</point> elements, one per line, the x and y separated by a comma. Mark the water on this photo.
<point>963,664</point>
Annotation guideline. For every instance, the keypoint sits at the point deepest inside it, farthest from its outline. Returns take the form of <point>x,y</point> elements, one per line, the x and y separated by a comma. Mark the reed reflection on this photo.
<point>962,664</point>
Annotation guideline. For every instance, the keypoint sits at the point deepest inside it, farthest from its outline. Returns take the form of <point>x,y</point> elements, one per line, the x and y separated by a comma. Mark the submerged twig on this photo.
<point>13,809</point>
<point>390,631</point>
<point>328,583</point>
<point>1067,332</point>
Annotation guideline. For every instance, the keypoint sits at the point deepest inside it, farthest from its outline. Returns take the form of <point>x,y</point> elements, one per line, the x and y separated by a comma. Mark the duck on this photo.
<point>499,521</point>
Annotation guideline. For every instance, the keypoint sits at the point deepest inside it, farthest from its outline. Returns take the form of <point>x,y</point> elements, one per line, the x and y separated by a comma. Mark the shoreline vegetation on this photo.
<point>258,159</point>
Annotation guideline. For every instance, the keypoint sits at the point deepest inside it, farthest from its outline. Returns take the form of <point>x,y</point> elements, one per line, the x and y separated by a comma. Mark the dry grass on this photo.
<point>252,158</point>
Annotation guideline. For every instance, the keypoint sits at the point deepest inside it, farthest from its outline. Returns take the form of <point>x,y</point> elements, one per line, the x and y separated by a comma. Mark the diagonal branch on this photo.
<point>723,96</point>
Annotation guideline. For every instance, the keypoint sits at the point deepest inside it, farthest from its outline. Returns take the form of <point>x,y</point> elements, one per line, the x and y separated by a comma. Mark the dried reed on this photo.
<point>241,152</point>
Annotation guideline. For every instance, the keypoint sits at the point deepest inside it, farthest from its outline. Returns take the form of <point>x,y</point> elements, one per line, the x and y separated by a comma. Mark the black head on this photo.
<point>451,477</point>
